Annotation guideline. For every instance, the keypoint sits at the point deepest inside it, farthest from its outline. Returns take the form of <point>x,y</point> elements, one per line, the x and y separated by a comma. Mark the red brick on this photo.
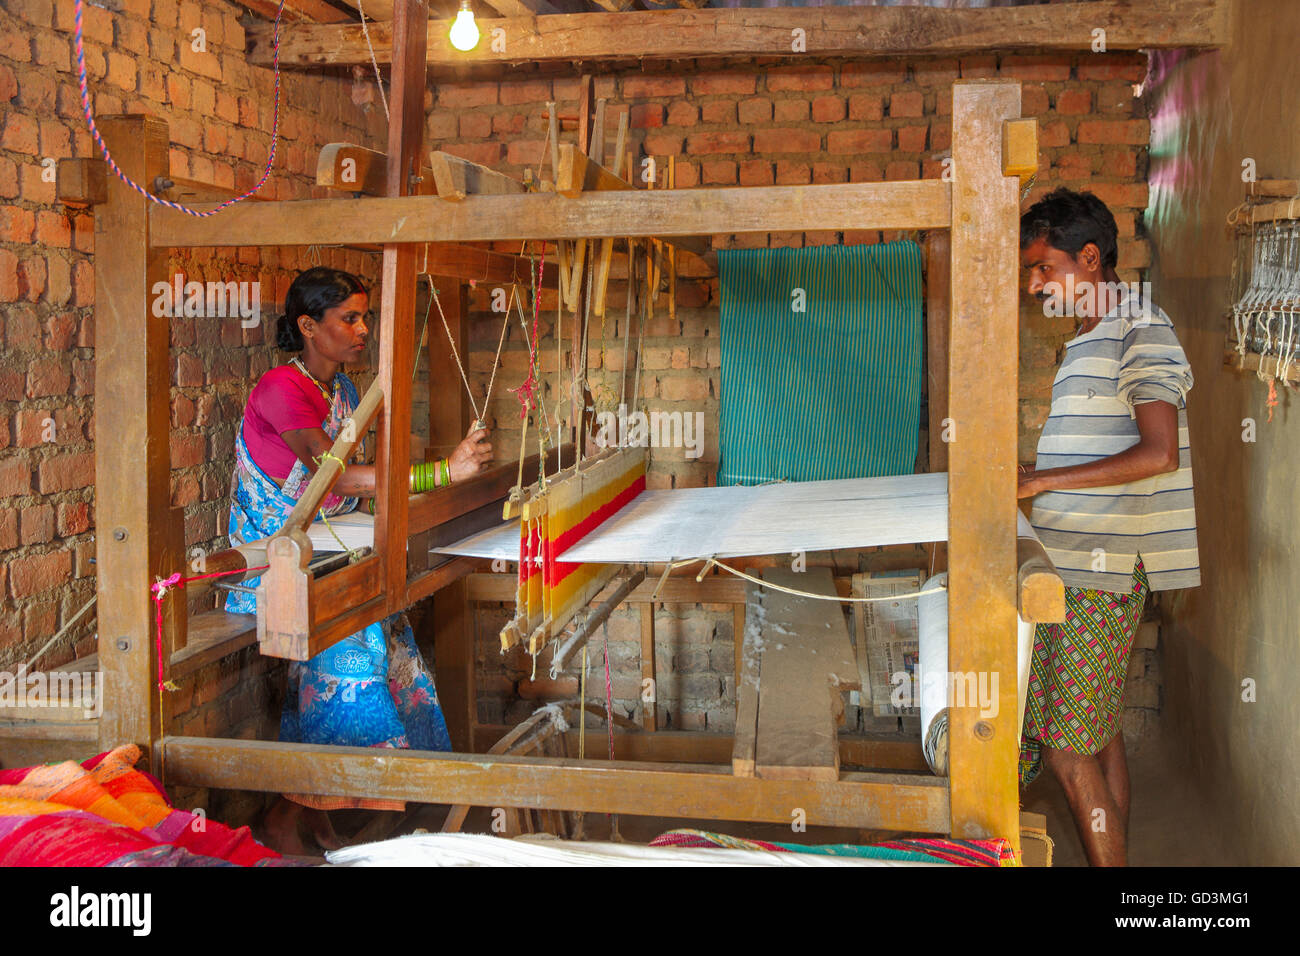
<point>828,109</point>
<point>32,427</point>
<point>646,116</point>
<point>787,141</point>
<point>791,111</point>
<point>8,83</point>
<point>463,95</point>
<point>900,170</point>
<point>36,524</point>
<point>1044,68</point>
<point>1033,100</point>
<point>1072,102</point>
<point>11,379</point>
<point>35,573</point>
<point>47,376</point>
<point>16,224</point>
<point>800,78</point>
<point>16,45</point>
<point>755,172</point>
<point>872,73</point>
<point>485,154</point>
<point>186,449</point>
<point>793,174</point>
<point>829,173</point>
<point>8,533</point>
<point>908,104</point>
<point>21,134</point>
<point>724,84</point>
<point>1120,163</point>
<point>8,179</point>
<point>15,477</point>
<point>529,91</point>
<point>524,152</point>
<point>935,72</point>
<point>83,283</point>
<point>683,113</point>
<point>755,110</point>
<point>719,142</point>
<point>53,229</point>
<point>184,491</point>
<point>1121,195</point>
<point>911,139</point>
<point>643,87</point>
<point>121,71</point>
<point>205,64</point>
<point>83,377</point>
<point>859,141</point>
<point>1135,132</point>
<point>10,282</point>
<point>718,172</point>
<point>866,106</point>
<point>719,111</point>
<point>1053,134</point>
<point>1105,66</point>
<point>64,472</point>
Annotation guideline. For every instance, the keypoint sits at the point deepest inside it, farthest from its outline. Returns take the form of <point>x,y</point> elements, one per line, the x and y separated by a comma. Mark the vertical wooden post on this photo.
<point>983,372</point>
<point>397,308</point>
<point>449,418</point>
<point>650,713</point>
<point>579,359</point>
<point>132,466</point>
<point>938,286</point>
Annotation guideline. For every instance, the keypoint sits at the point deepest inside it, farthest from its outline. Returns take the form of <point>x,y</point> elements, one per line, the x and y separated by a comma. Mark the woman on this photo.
<point>371,689</point>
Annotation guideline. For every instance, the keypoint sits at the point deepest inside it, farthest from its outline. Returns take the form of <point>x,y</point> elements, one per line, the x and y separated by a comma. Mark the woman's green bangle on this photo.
<point>446,471</point>
<point>427,475</point>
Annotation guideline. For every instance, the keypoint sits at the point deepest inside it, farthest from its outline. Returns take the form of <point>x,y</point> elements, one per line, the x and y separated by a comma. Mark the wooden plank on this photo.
<point>1254,362</point>
<point>436,578</point>
<point>938,280</point>
<point>356,169</point>
<point>982,459</point>
<point>748,675</point>
<point>912,803</point>
<point>806,663</point>
<point>374,9</point>
<point>132,403</point>
<point>1040,592</point>
<point>829,31</point>
<point>81,182</point>
<point>212,636</point>
<point>876,751</point>
<point>455,178</point>
<point>917,204</point>
<point>397,305</point>
<point>458,261</point>
<point>649,708</point>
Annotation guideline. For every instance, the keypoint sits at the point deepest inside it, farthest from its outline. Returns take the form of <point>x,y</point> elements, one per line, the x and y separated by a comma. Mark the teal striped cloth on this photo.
<point>833,391</point>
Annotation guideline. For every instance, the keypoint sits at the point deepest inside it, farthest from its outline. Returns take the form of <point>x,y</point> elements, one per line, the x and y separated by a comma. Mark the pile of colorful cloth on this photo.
<point>921,850</point>
<point>104,812</point>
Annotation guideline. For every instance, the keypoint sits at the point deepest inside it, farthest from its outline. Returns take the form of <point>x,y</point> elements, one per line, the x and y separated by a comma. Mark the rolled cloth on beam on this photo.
<point>737,521</point>
<point>932,680</point>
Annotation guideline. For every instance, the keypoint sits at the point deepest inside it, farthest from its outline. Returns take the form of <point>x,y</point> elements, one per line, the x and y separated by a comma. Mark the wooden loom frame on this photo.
<point>141,539</point>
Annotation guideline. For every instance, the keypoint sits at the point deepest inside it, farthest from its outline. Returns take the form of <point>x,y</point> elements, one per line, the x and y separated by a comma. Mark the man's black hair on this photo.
<point>1069,221</point>
<point>311,293</point>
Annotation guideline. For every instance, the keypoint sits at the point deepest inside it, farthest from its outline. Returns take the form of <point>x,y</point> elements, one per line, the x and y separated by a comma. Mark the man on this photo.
<point>1112,490</point>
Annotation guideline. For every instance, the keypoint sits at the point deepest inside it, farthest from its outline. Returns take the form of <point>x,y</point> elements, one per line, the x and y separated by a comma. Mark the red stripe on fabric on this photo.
<point>562,569</point>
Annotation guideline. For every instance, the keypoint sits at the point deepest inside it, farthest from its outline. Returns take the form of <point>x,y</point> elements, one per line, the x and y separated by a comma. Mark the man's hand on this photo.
<point>1156,453</point>
<point>472,455</point>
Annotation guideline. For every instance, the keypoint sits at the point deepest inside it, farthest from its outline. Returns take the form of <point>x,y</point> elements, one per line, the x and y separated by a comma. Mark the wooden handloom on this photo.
<point>140,538</point>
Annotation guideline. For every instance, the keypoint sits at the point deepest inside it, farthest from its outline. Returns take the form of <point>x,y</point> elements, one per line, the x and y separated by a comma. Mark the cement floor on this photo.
<point>1170,822</point>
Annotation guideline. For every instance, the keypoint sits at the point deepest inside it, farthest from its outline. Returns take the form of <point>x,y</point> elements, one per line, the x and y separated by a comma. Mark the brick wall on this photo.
<point>139,58</point>
<point>752,123</point>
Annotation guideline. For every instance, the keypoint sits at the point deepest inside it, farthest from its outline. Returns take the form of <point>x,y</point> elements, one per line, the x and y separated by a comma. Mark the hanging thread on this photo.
<point>112,164</point>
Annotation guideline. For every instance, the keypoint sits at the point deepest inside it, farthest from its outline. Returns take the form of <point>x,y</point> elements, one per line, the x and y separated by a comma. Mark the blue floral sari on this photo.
<point>371,689</point>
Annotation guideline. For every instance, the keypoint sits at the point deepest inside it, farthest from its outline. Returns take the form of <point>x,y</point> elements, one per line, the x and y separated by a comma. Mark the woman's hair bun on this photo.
<point>311,294</point>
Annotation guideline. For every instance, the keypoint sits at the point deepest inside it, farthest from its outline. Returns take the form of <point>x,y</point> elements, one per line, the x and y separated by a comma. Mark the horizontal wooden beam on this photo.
<point>884,801</point>
<point>455,178</point>
<point>915,204</point>
<point>828,31</point>
<point>683,589</point>
<point>350,168</point>
<point>578,173</point>
<point>877,751</point>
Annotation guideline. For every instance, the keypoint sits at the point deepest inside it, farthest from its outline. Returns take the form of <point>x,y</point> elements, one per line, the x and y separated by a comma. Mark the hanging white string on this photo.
<point>714,562</point>
<point>379,80</point>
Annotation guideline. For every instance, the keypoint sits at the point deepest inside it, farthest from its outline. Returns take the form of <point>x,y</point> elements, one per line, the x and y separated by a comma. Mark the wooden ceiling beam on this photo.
<point>830,31</point>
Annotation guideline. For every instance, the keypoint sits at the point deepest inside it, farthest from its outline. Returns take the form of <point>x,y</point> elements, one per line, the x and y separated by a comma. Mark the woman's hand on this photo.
<point>472,455</point>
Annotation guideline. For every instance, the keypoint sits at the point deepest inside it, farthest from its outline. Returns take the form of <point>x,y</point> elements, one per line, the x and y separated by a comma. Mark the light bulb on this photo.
<point>464,32</point>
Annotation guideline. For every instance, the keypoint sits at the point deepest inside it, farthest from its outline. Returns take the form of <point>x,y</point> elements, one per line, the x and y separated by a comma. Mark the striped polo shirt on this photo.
<point>1093,535</point>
